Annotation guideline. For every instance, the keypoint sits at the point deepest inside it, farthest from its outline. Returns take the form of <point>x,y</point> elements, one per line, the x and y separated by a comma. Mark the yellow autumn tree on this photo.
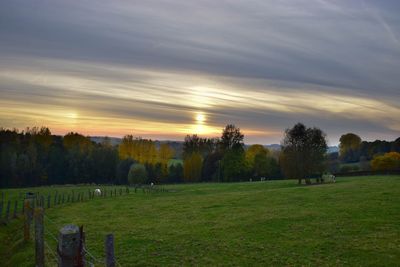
<point>192,167</point>
<point>141,150</point>
<point>387,162</point>
<point>253,151</point>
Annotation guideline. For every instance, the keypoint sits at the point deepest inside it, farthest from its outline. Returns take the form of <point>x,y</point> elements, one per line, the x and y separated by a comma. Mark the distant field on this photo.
<point>175,161</point>
<point>354,222</point>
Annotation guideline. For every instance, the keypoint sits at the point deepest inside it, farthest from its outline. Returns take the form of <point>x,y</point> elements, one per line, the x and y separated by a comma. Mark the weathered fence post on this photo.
<point>42,200</point>
<point>39,237</point>
<point>15,209</point>
<point>109,246</point>
<point>8,210</point>
<point>81,256</point>
<point>55,199</point>
<point>1,204</point>
<point>69,245</point>
<point>48,201</point>
<point>27,218</point>
<point>1,209</point>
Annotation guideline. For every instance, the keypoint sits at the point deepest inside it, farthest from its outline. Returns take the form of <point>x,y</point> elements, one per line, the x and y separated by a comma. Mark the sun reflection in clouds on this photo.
<point>199,126</point>
<point>153,103</point>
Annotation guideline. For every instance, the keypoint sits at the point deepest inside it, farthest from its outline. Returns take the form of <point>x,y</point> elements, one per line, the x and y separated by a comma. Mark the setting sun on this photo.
<point>200,118</point>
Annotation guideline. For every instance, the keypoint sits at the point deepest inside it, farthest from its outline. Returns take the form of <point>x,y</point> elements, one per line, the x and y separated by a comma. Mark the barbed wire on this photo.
<point>52,253</point>
<point>91,255</point>
<point>51,235</point>
<point>118,263</point>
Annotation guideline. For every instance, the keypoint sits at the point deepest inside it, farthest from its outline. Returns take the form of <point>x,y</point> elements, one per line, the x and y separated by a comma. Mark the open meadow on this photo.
<point>352,222</point>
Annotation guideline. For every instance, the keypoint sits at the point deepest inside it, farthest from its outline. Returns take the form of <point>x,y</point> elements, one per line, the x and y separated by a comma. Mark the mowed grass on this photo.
<point>354,222</point>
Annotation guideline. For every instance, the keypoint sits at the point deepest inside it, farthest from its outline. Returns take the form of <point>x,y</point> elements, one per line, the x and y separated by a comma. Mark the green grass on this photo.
<point>354,222</point>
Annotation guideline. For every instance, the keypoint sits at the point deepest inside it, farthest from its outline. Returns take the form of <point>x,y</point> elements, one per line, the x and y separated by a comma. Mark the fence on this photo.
<point>60,198</point>
<point>57,245</point>
<point>62,245</point>
<point>367,173</point>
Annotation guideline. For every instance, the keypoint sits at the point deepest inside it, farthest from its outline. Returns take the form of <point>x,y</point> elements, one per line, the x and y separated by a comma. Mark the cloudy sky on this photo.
<point>164,69</point>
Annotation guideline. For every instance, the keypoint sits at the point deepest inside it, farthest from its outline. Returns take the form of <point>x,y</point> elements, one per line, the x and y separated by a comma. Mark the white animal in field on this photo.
<point>152,184</point>
<point>97,192</point>
<point>330,177</point>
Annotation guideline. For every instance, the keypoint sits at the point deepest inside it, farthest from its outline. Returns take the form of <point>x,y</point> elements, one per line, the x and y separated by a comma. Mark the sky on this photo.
<point>164,69</point>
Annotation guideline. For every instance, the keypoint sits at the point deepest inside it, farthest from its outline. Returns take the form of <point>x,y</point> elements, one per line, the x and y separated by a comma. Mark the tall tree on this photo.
<point>192,167</point>
<point>349,147</point>
<point>303,152</point>
<point>234,167</point>
<point>231,138</point>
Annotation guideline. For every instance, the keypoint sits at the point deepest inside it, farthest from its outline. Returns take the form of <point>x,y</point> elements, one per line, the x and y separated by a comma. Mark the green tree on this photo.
<point>303,152</point>
<point>137,174</point>
<point>234,165</point>
<point>231,138</point>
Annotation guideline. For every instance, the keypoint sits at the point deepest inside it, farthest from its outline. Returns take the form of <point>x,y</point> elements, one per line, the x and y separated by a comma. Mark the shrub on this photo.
<point>137,174</point>
<point>388,162</point>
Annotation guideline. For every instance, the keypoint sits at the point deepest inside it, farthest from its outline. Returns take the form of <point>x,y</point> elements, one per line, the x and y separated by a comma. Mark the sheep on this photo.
<point>152,184</point>
<point>328,177</point>
<point>97,192</point>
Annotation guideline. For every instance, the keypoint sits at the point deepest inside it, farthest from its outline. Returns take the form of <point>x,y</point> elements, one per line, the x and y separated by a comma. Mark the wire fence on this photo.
<point>14,207</point>
<point>51,230</point>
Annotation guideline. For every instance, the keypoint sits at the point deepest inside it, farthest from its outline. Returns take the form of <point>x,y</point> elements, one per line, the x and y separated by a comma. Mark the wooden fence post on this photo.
<point>27,219</point>
<point>15,209</point>
<point>39,237</point>
<point>69,239</point>
<point>8,210</point>
<point>55,199</point>
<point>48,201</point>
<point>1,205</point>
<point>81,255</point>
<point>109,246</point>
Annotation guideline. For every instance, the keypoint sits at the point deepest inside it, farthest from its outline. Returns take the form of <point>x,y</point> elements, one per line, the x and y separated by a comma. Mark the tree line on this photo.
<point>358,155</point>
<point>36,157</point>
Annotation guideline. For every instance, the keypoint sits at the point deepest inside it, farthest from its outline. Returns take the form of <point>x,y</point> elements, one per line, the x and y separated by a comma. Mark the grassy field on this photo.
<point>355,222</point>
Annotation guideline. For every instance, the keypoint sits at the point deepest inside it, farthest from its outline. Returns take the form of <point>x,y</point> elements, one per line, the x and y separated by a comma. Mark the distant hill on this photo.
<point>98,139</point>
<point>178,145</point>
<point>333,149</point>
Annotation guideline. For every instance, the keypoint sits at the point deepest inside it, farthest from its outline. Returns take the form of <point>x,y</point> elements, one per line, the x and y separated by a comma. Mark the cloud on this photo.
<point>263,65</point>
